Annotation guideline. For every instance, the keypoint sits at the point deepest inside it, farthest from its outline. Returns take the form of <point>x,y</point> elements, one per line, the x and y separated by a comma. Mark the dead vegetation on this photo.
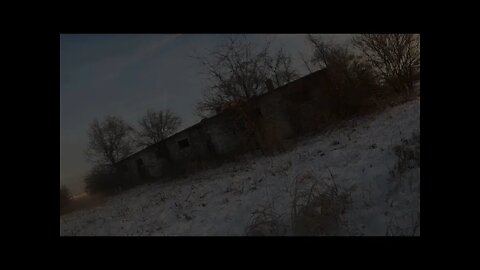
<point>405,175</point>
<point>317,210</point>
<point>408,153</point>
<point>394,228</point>
<point>265,221</point>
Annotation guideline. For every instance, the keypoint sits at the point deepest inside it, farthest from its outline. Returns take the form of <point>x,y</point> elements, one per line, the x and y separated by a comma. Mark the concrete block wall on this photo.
<point>284,112</point>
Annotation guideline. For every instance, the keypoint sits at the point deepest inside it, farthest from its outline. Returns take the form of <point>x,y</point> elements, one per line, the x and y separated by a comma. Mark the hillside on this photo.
<point>373,164</point>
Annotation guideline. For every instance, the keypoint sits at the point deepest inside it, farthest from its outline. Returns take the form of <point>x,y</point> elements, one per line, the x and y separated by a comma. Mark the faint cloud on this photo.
<point>114,67</point>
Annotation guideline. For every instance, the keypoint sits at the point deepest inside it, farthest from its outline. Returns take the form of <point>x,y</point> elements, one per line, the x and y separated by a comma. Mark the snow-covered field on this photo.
<point>360,156</point>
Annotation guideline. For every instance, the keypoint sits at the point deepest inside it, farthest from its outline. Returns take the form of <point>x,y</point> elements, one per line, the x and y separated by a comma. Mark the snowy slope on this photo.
<point>221,201</point>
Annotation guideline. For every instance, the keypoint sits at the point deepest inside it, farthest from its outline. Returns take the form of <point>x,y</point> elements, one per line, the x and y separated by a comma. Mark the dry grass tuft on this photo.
<point>408,154</point>
<point>317,211</point>
<point>265,222</point>
<point>394,229</point>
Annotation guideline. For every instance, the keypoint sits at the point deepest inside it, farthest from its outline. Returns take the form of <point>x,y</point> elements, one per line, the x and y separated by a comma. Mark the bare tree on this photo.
<point>156,126</point>
<point>305,61</point>
<point>347,69</point>
<point>109,141</point>
<point>237,71</point>
<point>280,68</point>
<point>396,57</point>
<point>328,54</point>
<point>352,79</point>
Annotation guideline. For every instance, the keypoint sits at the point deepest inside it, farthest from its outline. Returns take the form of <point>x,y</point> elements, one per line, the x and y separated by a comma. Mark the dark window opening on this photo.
<point>125,168</point>
<point>238,127</point>
<point>158,154</point>
<point>183,143</point>
<point>141,168</point>
<point>210,146</point>
<point>257,145</point>
<point>258,112</point>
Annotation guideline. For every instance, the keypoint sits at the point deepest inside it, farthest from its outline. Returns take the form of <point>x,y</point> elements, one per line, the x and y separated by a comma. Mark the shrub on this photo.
<point>408,153</point>
<point>107,180</point>
<point>396,58</point>
<point>321,215</point>
<point>353,85</point>
<point>317,211</point>
<point>353,88</point>
<point>394,228</point>
<point>265,222</point>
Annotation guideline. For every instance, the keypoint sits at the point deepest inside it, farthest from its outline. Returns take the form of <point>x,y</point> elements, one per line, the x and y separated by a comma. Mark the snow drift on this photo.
<point>373,161</point>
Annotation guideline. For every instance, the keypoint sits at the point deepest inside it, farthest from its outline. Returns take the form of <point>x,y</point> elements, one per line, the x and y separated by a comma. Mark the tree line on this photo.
<point>367,66</point>
<point>113,139</point>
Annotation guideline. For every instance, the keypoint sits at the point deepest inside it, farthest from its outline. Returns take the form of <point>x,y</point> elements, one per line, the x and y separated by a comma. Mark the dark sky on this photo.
<point>124,75</point>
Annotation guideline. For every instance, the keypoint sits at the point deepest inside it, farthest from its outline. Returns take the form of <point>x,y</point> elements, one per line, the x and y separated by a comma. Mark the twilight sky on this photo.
<point>124,75</point>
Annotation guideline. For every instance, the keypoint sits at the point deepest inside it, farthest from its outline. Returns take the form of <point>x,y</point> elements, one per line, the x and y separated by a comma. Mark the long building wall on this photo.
<point>283,112</point>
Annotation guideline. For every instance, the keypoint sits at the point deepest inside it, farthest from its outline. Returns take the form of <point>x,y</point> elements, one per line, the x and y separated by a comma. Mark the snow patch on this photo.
<point>222,201</point>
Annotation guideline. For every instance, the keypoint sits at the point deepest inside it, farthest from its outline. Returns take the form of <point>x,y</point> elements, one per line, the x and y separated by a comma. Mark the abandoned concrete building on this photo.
<point>265,120</point>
